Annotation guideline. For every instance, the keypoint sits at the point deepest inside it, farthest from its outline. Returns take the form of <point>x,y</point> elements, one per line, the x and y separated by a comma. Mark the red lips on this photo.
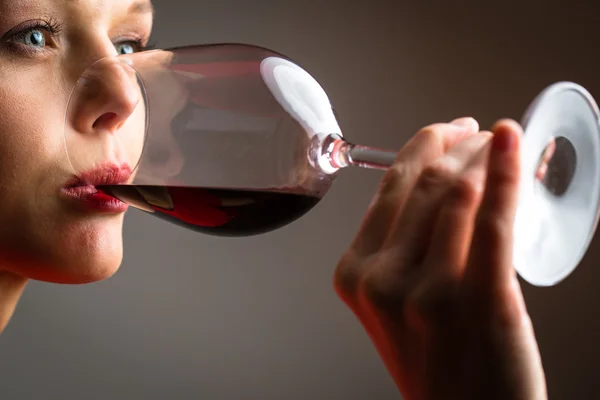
<point>84,188</point>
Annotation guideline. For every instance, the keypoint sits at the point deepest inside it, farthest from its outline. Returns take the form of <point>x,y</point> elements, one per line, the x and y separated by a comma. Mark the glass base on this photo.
<point>558,209</point>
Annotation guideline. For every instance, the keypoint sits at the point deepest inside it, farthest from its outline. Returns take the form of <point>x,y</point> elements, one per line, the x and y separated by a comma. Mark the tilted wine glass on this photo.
<point>232,139</point>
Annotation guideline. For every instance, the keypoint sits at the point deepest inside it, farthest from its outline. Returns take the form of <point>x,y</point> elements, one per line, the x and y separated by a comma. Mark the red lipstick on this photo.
<point>83,188</point>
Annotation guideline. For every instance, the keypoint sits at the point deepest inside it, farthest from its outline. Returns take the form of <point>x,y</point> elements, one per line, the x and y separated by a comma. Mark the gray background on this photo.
<point>257,318</point>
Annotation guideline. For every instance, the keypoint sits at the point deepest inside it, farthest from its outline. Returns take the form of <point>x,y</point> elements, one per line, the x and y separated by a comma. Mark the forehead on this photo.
<point>89,7</point>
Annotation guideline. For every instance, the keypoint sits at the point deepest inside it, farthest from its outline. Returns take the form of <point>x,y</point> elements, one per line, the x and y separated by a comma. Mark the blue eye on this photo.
<point>33,38</point>
<point>125,48</point>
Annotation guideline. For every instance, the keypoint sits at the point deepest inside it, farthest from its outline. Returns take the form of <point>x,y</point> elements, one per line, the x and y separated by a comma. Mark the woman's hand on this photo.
<point>430,274</point>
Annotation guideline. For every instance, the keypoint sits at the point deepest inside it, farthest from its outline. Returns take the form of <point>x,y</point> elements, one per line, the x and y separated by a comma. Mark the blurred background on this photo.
<point>197,317</point>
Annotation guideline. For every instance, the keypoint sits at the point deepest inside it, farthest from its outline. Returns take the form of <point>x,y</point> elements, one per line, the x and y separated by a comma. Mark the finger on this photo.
<point>452,232</point>
<point>490,256</point>
<point>427,145</point>
<point>410,236</point>
<point>542,169</point>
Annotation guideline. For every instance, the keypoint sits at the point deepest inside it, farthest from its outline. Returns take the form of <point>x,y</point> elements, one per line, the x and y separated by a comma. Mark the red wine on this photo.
<point>222,212</point>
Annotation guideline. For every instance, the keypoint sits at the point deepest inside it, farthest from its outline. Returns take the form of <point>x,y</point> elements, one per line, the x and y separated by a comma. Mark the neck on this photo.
<point>11,288</point>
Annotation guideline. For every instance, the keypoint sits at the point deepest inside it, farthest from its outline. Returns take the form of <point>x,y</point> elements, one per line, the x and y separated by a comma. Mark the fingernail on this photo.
<point>463,122</point>
<point>486,134</point>
<point>482,139</point>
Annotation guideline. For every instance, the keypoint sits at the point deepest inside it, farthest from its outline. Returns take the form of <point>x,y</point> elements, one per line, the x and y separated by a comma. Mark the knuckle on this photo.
<point>464,192</point>
<point>504,178</point>
<point>493,227</point>
<point>347,275</point>
<point>436,175</point>
<point>395,176</point>
<point>383,294</point>
<point>406,168</point>
<point>431,134</point>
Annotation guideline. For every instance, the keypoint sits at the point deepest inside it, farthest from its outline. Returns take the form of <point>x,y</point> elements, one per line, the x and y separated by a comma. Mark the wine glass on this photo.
<point>237,140</point>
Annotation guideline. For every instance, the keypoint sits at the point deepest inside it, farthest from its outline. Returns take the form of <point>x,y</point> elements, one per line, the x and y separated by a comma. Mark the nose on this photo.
<point>105,96</point>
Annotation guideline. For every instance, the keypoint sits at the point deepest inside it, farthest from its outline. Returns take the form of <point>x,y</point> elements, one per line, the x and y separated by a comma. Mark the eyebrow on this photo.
<point>141,7</point>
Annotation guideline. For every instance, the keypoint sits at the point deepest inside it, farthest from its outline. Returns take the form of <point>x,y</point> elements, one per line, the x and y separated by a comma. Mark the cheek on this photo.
<point>32,111</point>
<point>40,237</point>
<point>31,133</point>
<point>32,152</point>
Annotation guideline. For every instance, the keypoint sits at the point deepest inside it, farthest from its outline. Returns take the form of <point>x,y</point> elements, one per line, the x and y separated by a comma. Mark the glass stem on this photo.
<point>344,154</point>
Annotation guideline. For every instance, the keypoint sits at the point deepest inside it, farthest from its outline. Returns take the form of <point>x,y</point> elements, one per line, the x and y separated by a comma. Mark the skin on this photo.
<point>428,275</point>
<point>44,236</point>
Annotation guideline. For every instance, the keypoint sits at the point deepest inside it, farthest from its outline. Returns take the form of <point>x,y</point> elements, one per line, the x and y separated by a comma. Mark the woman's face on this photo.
<point>49,231</point>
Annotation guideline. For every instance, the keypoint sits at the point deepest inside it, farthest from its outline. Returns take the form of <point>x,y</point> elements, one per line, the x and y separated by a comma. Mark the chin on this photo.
<point>87,254</point>
<point>88,258</point>
<point>77,270</point>
<point>85,271</point>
